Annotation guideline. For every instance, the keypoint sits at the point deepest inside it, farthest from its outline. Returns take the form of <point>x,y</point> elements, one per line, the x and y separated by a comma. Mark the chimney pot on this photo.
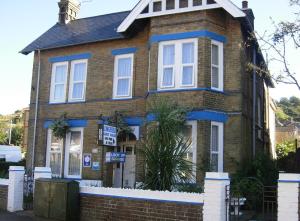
<point>245,4</point>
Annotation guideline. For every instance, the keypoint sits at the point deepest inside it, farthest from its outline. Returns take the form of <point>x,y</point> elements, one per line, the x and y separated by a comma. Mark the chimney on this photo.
<point>245,4</point>
<point>68,10</point>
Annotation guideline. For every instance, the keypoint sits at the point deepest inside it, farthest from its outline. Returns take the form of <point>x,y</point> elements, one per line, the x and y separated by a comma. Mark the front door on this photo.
<point>124,174</point>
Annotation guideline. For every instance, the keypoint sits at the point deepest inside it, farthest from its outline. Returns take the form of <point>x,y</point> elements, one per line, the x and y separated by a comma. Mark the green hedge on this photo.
<point>4,167</point>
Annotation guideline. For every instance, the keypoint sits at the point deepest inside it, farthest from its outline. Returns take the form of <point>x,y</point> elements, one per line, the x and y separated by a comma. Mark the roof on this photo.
<point>80,31</point>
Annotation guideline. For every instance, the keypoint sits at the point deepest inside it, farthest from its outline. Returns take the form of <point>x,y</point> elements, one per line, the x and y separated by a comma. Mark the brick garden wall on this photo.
<point>96,208</point>
<point>3,197</point>
<point>97,204</point>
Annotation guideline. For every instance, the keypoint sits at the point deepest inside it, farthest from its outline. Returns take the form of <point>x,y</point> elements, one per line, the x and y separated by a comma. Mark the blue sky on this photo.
<point>25,20</point>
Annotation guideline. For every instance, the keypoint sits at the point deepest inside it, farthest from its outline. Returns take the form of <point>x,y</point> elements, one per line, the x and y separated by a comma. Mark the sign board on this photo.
<point>87,160</point>
<point>109,136</point>
<point>115,157</point>
<point>96,166</point>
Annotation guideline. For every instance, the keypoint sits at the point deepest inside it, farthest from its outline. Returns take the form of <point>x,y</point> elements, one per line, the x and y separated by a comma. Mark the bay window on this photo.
<point>177,64</point>
<point>217,66</point>
<point>123,75</point>
<point>216,147</point>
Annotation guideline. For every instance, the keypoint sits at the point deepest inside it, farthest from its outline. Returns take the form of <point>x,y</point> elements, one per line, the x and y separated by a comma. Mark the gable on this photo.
<point>152,8</point>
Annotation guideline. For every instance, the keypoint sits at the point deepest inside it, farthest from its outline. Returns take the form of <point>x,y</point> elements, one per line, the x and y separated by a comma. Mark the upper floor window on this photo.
<point>77,80</point>
<point>177,66</point>
<point>59,82</point>
<point>123,76</point>
<point>217,66</point>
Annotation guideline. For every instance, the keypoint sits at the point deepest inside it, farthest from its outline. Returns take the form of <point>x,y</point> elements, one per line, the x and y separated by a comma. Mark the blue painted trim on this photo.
<point>185,35</point>
<point>70,57</point>
<point>288,181</point>
<point>17,170</point>
<point>185,90</point>
<point>123,51</point>
<point>199,115</point>
<point>72,123</point>
<point>137,199</point>
<point>216,179</point>
<point>42,172</point>
<point>131,121</point>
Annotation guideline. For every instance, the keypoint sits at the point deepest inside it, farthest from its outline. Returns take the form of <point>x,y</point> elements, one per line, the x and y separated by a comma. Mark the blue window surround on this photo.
<point>70,57</point>
<point>185,89</point>
<point>120,51</point>
<point>288,181</point>
<point>193,115</point>
<point>184,35</point>
<point>72,123</point>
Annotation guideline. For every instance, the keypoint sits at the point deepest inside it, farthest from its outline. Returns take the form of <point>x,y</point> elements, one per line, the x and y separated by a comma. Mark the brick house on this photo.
<point>189,51</point>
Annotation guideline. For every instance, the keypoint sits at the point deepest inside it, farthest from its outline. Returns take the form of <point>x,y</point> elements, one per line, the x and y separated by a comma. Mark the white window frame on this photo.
<point>220,66</point>
<point>71,84</point>
<point>116,78</point>
<point>194,144</point>
<point>49,142</point>
<point>220,145</point>
<point>67,150</point>
<point>178,66</point>
<point>52,87</point>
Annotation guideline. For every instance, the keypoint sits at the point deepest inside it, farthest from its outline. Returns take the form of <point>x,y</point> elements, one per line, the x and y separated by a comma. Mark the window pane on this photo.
<point>214,138</point>
<point>55,163</point>
<point>60,74</point>
<point>187,75</point>
<point>168,77</point>
<point>124,67</point>
<point>214,163</point>
<point>215,77</point>
<point>123,87</point>
<point>79,72</point>
<point>59,91</point>
<point>170,4</point>
<point>187,53</point>
<point>187,135</point>
<point>215,54</point>
<point>197,2</point>
<point>168,54</point>
<point>183,3</point>
<point>75,153</point>
<point>77,90</point>
<point>157,6</point>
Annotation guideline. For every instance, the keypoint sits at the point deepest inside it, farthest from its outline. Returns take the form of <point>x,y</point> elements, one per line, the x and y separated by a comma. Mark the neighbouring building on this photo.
<point>287,131</point>
<point>197,53</point>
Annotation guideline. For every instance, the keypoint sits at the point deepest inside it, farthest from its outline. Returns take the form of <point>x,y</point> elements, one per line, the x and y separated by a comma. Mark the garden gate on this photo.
<point>28,191</point>
<point>251,200</point>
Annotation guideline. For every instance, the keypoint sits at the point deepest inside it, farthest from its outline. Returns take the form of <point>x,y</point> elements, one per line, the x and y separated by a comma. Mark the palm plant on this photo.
<point>166,149</point>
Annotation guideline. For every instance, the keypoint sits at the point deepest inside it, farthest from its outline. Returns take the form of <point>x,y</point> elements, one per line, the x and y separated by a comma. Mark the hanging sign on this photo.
<point>96,166</point>
<point>115,157</point>
<point>109,136</point>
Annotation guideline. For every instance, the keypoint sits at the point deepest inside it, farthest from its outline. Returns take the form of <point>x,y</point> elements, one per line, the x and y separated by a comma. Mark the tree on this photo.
<point>166,149</point>
<point>279,45</point>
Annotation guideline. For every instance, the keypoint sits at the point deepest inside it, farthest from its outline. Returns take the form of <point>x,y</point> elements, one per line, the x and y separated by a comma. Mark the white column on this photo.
<point>215,196</point>
<point>15,188</point>
<point>42,172</point>
<point>288,197</point>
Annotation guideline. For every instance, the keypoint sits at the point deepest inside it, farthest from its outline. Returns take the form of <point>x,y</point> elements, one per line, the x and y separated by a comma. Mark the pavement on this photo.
<point>20,216</point>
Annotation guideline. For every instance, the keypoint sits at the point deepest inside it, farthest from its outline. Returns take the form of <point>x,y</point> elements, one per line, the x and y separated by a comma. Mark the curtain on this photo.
<point>59,82</point>
<point>188,53</point>
<point>124,76</point>
<point>215,55</point>
<point>123,87</point>
<point>78,80</point>
<point>214,148</point>
<point>124,67</point>
<point>75,153</point>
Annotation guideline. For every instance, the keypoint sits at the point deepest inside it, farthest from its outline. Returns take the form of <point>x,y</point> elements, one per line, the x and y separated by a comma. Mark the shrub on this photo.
<point>4,167</point>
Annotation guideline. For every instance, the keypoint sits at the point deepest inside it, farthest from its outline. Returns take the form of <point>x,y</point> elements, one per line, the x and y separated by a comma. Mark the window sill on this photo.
<point>185,90</point>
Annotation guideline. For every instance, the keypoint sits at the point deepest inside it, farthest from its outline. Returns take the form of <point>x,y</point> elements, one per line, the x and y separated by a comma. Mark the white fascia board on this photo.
<point>133,15</point>
<point>231,8</point>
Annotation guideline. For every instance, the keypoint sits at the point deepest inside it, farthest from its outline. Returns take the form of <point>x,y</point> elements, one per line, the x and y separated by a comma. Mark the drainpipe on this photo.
<point>254,105</point>
<point>36,110</point>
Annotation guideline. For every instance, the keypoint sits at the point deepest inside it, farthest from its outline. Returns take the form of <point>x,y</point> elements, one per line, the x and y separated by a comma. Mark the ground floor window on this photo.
<point>216,147</point>
<point>190,134</point>
<point>68,157</point>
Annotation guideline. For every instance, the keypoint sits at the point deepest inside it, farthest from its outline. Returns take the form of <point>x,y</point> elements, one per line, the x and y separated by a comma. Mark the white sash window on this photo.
<point>217,66</point>
<point>59,82</point>
<point>123,76</point>
<point>177,64</point>
<point>216,147</point>
<point>78,80</point>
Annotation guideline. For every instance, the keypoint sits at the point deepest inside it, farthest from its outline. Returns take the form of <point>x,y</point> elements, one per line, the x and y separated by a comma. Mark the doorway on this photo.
<point>124,173</point>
